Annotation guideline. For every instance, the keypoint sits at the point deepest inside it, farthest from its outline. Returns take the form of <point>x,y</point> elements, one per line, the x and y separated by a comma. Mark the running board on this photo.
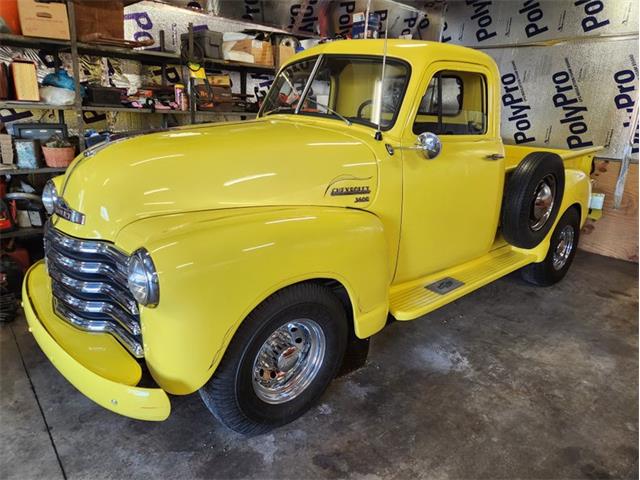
<point>413,299</point>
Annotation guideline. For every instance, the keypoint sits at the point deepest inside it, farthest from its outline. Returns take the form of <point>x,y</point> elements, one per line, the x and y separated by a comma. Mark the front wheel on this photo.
<point>281,359</point>
<point>562,249</point>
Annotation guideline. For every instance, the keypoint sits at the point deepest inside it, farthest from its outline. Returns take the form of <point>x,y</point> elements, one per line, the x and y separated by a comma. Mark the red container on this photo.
<point>58,157</point>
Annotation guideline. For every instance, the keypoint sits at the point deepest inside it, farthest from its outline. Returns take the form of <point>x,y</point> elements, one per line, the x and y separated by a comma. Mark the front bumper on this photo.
<point>94,363</point>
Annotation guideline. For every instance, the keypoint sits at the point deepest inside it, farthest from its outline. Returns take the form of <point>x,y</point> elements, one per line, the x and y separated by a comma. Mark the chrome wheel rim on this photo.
<point>288,361</point>
<point>564,247</point>
<point>543,202</point>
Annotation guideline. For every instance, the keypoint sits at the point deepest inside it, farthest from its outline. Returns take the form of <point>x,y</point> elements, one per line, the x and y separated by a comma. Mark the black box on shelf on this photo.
<point>206,44</point>
<point>104,96</point>
<point>40,131</point>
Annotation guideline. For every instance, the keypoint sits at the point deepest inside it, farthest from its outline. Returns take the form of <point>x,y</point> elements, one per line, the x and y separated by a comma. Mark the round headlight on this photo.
<point>49,197</point>
<point>143,279</point>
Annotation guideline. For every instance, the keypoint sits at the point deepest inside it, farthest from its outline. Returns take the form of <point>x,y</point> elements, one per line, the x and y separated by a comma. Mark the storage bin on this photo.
<point>58,157</point>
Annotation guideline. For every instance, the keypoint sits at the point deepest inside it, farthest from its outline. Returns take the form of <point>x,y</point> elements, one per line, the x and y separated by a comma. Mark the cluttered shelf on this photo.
<point>146,56</point>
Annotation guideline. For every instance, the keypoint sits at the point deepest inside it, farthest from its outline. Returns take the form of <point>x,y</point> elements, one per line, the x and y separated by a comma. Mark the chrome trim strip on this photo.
<point>94,287</point>
<point>85,246</point>
<point>99,326</point>
<point>100,268</point>
<point>307,86</point>
<point>95,306</point>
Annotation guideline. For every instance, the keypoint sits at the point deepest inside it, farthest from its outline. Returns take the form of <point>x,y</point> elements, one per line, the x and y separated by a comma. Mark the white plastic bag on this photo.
<point>57,95</point>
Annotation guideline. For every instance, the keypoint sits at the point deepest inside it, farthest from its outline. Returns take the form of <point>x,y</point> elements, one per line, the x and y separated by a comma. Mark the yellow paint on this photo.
<point>234,212</point>
<point>95,364</point>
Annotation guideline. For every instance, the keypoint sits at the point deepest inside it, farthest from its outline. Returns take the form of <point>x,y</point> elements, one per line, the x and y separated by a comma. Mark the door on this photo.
<point>451,203</point>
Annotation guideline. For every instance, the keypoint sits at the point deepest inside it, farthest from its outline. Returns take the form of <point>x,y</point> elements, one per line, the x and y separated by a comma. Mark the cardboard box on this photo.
<point>6,148</point>
<point>219,80</point>
<point>105,17</point>
<point>247,50</point>
<point>48,20</point>
<point>284,54</point>
<point>25,80</point>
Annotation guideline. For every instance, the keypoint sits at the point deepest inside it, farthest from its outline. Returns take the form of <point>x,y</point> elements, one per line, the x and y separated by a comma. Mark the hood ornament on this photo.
<point>63,210</point>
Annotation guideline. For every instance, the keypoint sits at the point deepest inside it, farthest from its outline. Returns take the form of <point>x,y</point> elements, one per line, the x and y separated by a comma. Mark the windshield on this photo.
<point>343,87</point>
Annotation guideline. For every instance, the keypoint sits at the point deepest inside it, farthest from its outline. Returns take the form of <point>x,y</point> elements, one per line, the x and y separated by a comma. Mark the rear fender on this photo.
<point>577,191</point>
<point>215,267</point>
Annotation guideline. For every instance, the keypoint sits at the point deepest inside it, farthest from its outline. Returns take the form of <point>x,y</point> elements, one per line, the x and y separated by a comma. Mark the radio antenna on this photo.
<point>378,135</point>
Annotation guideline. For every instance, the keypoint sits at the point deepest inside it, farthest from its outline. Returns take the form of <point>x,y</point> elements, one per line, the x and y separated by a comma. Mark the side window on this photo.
<point>455,103</point>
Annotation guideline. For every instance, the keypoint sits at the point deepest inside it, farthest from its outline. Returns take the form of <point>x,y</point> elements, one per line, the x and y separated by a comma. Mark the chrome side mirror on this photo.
<point>430,145</point>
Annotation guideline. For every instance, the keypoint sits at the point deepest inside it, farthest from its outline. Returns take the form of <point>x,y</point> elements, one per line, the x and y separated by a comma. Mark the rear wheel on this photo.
<point>562,249</point>
<point>280,361</point>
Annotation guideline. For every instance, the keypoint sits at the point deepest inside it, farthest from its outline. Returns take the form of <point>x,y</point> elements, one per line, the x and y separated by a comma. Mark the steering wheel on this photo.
<point>386,107</point>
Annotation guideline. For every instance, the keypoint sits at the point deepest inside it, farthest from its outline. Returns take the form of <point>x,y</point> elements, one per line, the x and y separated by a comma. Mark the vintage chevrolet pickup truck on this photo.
<point>242,260</point>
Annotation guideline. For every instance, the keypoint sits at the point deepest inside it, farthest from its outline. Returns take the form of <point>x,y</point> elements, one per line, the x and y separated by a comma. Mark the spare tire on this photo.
<point>532,199</point>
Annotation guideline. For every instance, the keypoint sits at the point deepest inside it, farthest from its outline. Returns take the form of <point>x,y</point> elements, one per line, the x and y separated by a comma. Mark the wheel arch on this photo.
<point>576,195</point>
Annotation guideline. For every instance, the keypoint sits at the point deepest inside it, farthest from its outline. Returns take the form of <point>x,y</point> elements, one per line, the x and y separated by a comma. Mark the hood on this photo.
<point>265,162</point>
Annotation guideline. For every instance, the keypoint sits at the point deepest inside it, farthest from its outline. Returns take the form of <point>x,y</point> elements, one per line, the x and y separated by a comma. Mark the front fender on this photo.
<point>215,267</point>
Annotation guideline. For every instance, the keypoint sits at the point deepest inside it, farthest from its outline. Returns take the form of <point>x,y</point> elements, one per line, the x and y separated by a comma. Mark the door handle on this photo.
<point>495,156</point>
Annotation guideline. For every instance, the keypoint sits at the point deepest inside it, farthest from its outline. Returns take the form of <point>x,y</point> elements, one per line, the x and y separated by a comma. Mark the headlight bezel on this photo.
<point>50,197</point>
<point>142,279</point>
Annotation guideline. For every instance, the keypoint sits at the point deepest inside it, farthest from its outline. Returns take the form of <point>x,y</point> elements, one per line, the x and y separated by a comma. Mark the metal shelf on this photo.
<point>89,108</point>
<point>35,105</point>
<point>249,67</point>
<point>96,108</point>
<point>30,171</point>
<point>22,232</point>
<point>151,57</point>
<point>146,56</point>
<point>10,40</point>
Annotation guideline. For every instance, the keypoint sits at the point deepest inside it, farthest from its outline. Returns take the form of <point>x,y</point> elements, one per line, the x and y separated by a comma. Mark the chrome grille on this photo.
<point>89,286</point>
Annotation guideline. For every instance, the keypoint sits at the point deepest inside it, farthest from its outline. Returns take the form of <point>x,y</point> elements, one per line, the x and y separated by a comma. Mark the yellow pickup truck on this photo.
<point>242,260</point>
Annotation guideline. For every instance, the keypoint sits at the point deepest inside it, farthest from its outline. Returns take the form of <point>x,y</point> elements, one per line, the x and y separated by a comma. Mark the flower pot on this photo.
<point>58,157</point>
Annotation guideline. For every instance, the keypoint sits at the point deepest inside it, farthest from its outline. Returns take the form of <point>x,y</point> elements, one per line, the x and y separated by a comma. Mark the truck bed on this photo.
<point>577,159</point>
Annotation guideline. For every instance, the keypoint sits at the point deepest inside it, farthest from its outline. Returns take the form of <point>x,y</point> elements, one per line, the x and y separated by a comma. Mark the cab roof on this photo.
<point>418,53</point>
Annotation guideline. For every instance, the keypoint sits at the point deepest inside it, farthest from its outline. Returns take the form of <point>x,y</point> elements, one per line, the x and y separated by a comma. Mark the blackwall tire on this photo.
<point>251,391</point>
<point>532,199</point>
<point>562,249</point>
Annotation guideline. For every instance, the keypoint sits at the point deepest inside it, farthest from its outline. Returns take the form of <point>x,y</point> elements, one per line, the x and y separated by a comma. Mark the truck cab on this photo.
<point>242,260</point>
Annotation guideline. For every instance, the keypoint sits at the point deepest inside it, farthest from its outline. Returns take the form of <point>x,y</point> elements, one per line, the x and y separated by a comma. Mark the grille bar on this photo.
<point>89,286</point>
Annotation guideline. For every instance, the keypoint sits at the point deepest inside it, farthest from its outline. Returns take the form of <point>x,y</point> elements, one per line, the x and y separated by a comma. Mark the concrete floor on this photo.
<point>511,381</point>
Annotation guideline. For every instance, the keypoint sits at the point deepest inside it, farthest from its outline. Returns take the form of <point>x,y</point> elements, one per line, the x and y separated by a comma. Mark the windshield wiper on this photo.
<point>341,117</point>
